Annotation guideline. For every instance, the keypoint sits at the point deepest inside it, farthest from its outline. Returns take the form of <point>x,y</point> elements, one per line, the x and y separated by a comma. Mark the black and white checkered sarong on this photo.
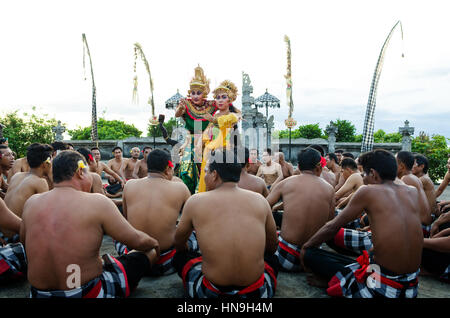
<point>13,263</point>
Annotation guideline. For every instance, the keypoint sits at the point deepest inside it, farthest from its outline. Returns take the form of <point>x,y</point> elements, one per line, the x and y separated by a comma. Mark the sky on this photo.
<point>335,47</point>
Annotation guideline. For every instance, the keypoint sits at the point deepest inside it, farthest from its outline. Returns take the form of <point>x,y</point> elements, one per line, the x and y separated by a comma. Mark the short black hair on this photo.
<point>86,153</point>
<point>59,145</point>
<point>380,160</point>
<point>117,147</point>
<point>333,156</point>
<point>95,148</point>
<point>407,158</point>
<point>228,170</point>
<point>269,151</point>
<point>348,155</point>
<point>69,144</point>
<point>38,153</point>
<point>158,160</point>
<point>65,164</point>
<point>422,160</point>
<point>308,158</point>
<point>339,151</point>
<point>146,147</point>
<point>4,147</point>
<point>349,163</point>
<point>319,148</point>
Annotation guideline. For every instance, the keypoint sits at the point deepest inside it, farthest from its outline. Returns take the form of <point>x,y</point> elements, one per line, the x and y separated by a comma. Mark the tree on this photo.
<point>309,131</point>
<point>23,131</point>
<point>436,150</point>
<point>345,130</point>
<point>107,130</point>
<point>170,125</point>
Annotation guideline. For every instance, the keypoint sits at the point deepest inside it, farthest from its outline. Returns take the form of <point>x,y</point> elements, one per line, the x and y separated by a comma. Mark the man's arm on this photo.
<point>112,173</point>
<point>271,232</point>
<point>274,194</point>
<point>440,244</point>
<point>260,171</point>
<point>443,184</point>
<point>443,218</point>
<point>8,220</point>
<point>354,208</point>
<point>348,186</point>
<point>116,226</point>
<point>340,182</point>
<point>185,226</point>
<point>135,173</point>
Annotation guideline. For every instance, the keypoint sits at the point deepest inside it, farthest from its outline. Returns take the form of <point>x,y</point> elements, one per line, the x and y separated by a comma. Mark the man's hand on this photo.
<point>161,118</point>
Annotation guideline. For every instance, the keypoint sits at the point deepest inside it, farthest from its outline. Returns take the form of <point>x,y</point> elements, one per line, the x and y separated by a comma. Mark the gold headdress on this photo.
<point>229,88</point>
<point>199,81</point>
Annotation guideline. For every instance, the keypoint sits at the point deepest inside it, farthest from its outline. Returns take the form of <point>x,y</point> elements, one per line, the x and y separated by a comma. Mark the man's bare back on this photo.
<point>252,183</point>
<point>20,165</point>
<point>153,205</point>
<point>308,204</point>
<point>232,237</point>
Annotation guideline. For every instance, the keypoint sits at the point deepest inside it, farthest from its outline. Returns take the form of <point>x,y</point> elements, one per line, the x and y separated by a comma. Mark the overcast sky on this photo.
<point>335,47</point>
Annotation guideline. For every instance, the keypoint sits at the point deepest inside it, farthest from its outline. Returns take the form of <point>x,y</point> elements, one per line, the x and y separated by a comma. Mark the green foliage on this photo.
<point>170,125</point>
<point>310,131</point>
<point>382,137</point>
<point>345,130</point>
<point>107,130</point>
<point>436,150</point>
<point>23,131</point>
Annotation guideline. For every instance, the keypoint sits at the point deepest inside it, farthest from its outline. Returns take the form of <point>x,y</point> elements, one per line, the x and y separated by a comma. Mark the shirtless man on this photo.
<point>58,146</point>
<point>338,154</point>
<point>249,181</point>
<point>12,256</point>
<point>144,209</point>
<point>270,171</point>
<point>97,184</point>
<point>420,170</point>
<point>353,180</point>
<point>254,164</point>
<point>286,167</point>
<point>308,204</point>
<point>233,237</point>
<point>405,163</point>
<point>102,167</point>
<point>116,164</point>
<point>333,164</point>
<point>141,169</point>
<point>127,168</point>
<point>6,163</point>
<point>67,216</point>
<point>20,165</point>
<point>327,175</point>
<point>24,184</point>
<point>394,213</point>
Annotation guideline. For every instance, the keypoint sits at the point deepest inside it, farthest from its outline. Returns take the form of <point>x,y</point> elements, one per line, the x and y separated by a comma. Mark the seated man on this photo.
<point>394,213</point>
<point>420,170</point>
<point>270,171</point>
<point>141,169</point>
<point>62,231</point>
<point>333,164</point>
<point>286,167</point>
<point>153,205</point>
<point>234,229</point>
<point>24,184</point>
<point>405,163</point>
<point>353,181</point>
<point>436,249</point>
<point>308,204</point>
<point>97,184</point>
<point>326,174</point>
<point>127,168</point>
<point>254,162</point>
<point>6,163</point>
<point>13,263</point>
<point>249,181</point>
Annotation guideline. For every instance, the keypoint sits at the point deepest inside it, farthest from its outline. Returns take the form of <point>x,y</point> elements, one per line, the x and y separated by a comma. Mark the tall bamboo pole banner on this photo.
<point>94,131</point>
<point>369,122</point>
<point>290,122</point>
<point>139,52</point>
